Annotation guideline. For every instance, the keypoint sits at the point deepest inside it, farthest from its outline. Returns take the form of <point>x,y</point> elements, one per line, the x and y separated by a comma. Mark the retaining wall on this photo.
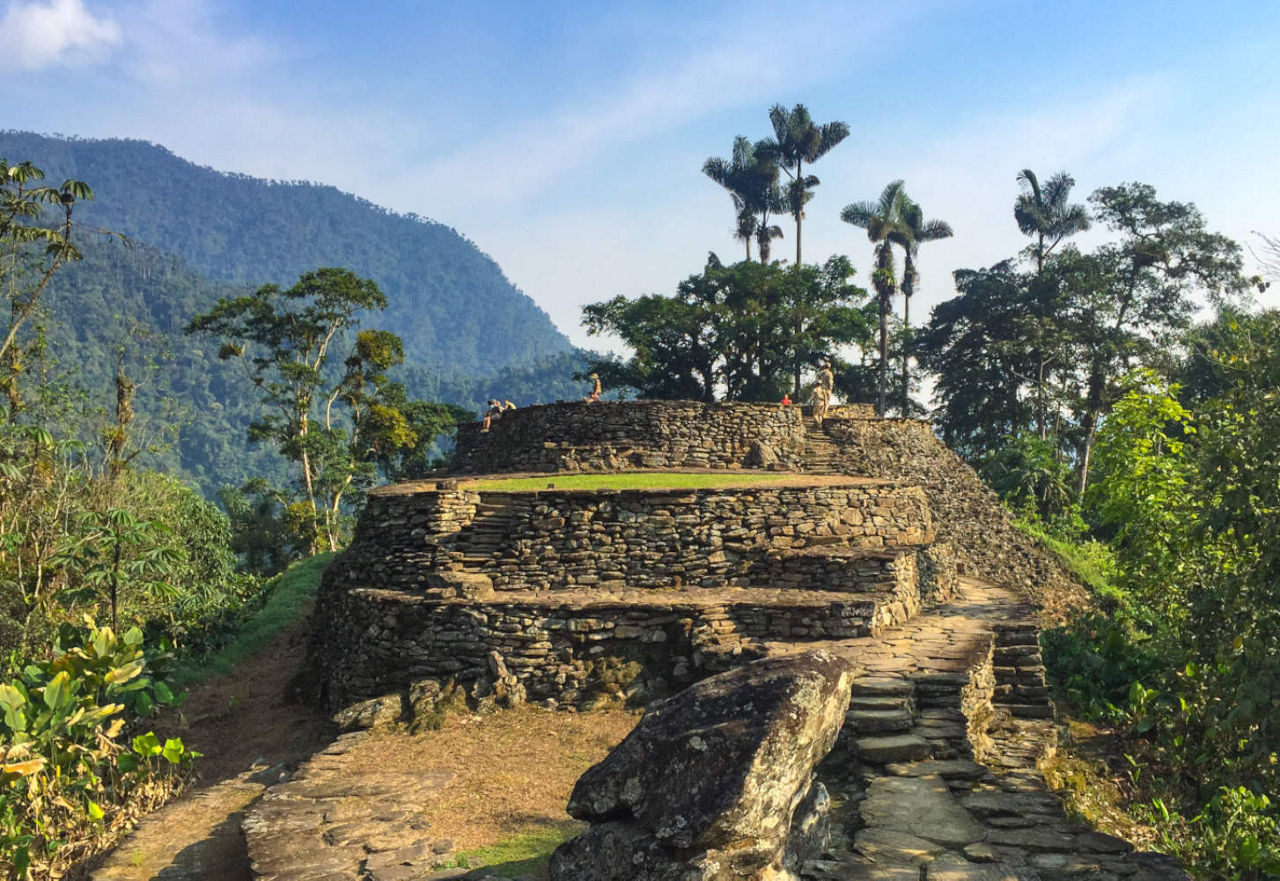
<point>374,642</point>
<point>615,436</point>
<point>626,538</point>
<point>966,513</point>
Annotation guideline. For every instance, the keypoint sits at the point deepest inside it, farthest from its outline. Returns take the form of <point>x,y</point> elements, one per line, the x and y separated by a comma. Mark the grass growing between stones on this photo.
<point>628,480</point>
<point>525,854</point>
<point>291,590</point>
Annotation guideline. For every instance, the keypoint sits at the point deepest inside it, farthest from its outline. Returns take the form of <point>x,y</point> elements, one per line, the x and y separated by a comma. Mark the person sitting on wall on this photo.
<point>786,399</point>
<point>495,410</point>
<point>595,392</point>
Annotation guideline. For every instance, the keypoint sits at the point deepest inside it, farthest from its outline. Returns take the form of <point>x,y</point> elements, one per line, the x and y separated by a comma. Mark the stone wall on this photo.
<point>966,513</point>
<point>613,436</point>
<point>553,539</point>
<point>373,642</point>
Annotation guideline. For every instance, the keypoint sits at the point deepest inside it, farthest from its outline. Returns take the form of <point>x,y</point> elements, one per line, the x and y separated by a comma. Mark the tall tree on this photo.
<point>974,344</point>
<point>797,139</point>
<point>1138,291</point>
<point>731,328</point>
<point>751,177</point>
<point>918,231</point>
<point>1046,213</point>
<point>335,424</point>
<point>32,250</point>
<point>886,225</point>
<point>734,174</point>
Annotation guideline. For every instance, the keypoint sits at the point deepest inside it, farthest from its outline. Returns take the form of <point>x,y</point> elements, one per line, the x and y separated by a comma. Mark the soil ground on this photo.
<point>512,770</point>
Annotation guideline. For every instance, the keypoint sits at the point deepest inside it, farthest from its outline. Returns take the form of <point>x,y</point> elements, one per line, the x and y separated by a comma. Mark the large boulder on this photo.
<point>709,784</point>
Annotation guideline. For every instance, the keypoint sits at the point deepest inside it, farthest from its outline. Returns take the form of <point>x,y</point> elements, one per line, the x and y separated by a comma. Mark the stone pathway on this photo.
<point>926,787</point>
<point>336,820</point>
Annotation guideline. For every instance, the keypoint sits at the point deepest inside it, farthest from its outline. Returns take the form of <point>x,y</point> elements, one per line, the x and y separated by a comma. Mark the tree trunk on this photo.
<point>884,355</point>
<point>1093,411</point>
<point>906,354</point>
<point>799,215</point>
<point>1082,480</point>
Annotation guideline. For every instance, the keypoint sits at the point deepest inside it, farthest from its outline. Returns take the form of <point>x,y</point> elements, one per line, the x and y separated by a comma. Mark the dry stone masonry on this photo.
<point>857,628</point>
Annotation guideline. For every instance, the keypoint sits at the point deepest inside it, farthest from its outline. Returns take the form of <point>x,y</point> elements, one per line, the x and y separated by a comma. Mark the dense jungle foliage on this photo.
<point>108,567</point>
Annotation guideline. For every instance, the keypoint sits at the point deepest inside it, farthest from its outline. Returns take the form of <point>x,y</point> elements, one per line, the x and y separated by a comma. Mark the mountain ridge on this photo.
<point>450,302</point>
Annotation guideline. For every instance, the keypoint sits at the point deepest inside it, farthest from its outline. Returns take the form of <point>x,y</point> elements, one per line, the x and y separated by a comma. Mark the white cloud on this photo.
<point>38,35</point>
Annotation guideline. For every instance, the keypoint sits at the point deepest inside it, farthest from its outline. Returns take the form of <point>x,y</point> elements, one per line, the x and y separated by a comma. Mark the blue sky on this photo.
<point>566,139</point>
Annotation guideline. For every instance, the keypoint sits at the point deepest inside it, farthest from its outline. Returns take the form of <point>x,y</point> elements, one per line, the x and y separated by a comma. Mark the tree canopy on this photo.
<point>739,332</point>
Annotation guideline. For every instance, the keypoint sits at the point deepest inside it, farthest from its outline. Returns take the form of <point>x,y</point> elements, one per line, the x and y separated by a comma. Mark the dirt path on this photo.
<point>492,776</point>
<point>245,725</point>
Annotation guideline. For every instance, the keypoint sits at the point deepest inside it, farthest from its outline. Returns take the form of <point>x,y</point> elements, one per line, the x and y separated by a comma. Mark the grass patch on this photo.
<point>626,480</point>
<point>1092,562</point>
<point>524,854</point>
<point>287,594</point>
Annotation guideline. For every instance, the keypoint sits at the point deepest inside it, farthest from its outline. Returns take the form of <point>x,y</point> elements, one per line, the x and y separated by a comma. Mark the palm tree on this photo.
<point>797,140</point>
<point>751,177</point>
<point>918,231</point>
<point>886,225</point>
<point>1044,212</point>
<point>734,174</point>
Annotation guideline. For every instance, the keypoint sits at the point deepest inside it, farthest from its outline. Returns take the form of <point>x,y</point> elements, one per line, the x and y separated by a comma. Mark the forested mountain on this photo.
<point>126,306</point>
<point>449,301</point>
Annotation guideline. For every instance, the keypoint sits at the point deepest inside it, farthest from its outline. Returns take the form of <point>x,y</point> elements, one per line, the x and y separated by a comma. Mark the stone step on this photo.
<point>892,748</point>
<point>880,686</point>
<point>877,702</point>
<point>880,721</point>
<point>1027,711</point>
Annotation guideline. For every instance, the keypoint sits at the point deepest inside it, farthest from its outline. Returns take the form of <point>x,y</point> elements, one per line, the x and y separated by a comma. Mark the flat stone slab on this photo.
<point>950,867</point>
<point>949,769</point>
<point>892,748</point>
<point>891,846</point>
<point>880,721</point>
<point>920,806</point>
<point>338,817</point>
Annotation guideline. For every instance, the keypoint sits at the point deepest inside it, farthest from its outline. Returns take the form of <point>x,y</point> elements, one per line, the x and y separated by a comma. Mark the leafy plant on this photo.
<point>66,766</point>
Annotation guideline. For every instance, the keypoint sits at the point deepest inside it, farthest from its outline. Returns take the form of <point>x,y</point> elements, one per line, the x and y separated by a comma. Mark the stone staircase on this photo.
<point>486,535</point>
<point>821,455</point>
<point>931,780</point>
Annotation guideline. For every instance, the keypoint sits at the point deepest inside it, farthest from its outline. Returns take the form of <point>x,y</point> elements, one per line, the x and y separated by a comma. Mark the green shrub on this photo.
<point>68,761</point>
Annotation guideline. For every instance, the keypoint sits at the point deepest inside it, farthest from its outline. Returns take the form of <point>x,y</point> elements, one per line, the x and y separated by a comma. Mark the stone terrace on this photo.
<point>567,597</point>
<point>557,587</point>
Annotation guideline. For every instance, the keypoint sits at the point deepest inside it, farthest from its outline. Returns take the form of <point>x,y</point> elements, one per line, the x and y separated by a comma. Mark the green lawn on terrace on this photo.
<point>627,480</point>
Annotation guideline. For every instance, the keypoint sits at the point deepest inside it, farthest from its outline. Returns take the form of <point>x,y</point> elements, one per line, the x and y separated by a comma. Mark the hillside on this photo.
<point>448,300</point>
<point>192,406</point>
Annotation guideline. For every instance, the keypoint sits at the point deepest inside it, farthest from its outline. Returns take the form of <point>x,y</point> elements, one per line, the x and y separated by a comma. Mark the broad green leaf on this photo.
<point>173,750</point>
<point>147,745</point>
<point>58,692</point>
<point>11,697</point>
<point>123,674</point>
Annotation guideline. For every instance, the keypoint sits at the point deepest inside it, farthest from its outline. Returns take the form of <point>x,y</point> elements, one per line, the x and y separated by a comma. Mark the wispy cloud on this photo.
<point>38,35</point>
<point>741,65</point>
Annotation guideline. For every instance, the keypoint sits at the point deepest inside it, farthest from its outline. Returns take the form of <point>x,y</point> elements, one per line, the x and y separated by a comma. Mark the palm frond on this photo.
<point>859,213</point>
